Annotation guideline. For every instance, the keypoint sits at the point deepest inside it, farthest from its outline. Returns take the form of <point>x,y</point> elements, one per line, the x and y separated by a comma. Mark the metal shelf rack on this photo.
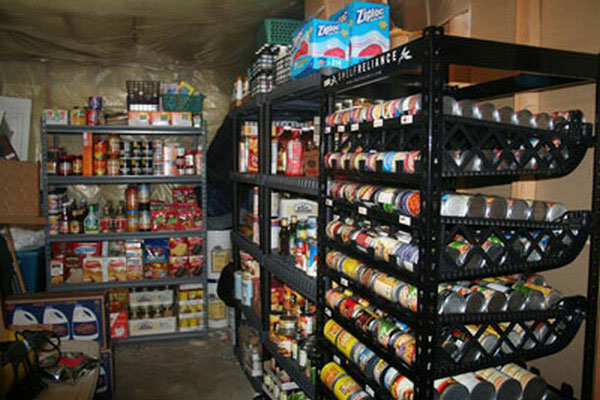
<point>421,66</point>
<point>294,98</point>
<point>197,136</point>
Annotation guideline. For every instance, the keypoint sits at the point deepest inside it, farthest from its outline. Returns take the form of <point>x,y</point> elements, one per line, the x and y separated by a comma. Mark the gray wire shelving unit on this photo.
<point>198,137</point>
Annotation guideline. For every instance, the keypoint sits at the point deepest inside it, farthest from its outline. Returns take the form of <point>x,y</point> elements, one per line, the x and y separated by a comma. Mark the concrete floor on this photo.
<point>182,370</point>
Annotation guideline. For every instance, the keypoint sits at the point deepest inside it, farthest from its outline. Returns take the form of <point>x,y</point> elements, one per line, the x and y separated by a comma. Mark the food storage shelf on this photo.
<point>293,370</point>
<point>373,389</point>
<point>247,245</point>
<point>124,130</point>
<point>388,356</point>
<point>126,284</point>
<point>251,317</point>
<point>256,382</point>
<point>299,185</point>
<point>284,268</point>
<point>90,237</point>
<point>244,177</point>
<point>56,180</point>
<point>201,334</point>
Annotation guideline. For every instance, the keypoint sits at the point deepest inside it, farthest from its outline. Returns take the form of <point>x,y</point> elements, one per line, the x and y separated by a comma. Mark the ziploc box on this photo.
<point>319,44</point>
<point>369,29</point>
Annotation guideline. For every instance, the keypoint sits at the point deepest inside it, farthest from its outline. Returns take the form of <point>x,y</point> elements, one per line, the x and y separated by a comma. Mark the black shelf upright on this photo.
<point>422,67</point>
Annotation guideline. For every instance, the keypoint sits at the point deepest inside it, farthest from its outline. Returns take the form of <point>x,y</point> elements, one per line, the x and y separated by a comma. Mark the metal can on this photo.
<point>331,330</point>
<point>133,220</point>
<point>386,198</point>
<point>345,342</point>
<point>404,344</point>
<point>99,167</point>
<point>551,296</point>
<point>508,115</point>
<point>462,255</point>
<point>555,211</point>
<point>515,299</point>
<point>125,148</point>
<point>533,386</point>
<point>525,118</point>
<point>518,209</point>
<point>538,210</point>
<point>408,202</point>
<point>494,301</point>
<point>450,302</point>
<point>534,299</point>
<point>112,166</point>
<point>387,287</point>
<point>489,112</point>
<point>495,207</point>
<point>379,369</point>
<point>450,389</point>
<point>331,373</point>
<point>125,166</point>
<point>469,109</point>
<point>479,388</point>
<point>507,388</point>
<point>95,102</point>
<point>408,297</point>
<point>93,117</point>
<point>78,116</point>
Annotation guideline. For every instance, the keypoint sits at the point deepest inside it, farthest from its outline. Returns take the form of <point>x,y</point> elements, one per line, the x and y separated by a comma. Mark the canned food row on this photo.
<point>507,382</point>
<point>506,293</point>
<point>375,161</point>
<point>411,105</point>
<point>408,202</point>
<point>460,345</point>
<point>391,334</point>
<point>380,242</point>
<point>335,378</point>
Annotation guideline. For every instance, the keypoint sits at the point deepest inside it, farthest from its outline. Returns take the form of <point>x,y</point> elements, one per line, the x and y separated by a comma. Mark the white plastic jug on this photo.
<point>23,317</point>
<point>59,322</point>
<point>85,323</point>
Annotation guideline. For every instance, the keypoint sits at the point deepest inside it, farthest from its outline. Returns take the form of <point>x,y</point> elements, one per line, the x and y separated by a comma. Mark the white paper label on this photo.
<point>354,127</point>
<point>337,359</point>
<point>328,202</point>
<point>362,210</point>
<point>328,312</point>
<point>406,119</point>
<point>403,219</point>
<point>378,123</point>
<point>370,391</point>
<point>341,128</point>
<point>344,281</point>
<point>327,129</point>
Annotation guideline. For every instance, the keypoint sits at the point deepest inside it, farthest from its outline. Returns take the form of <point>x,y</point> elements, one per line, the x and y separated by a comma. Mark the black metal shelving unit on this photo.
<point>197,135</point>
<point>421,67</point>
<point>296,98</point>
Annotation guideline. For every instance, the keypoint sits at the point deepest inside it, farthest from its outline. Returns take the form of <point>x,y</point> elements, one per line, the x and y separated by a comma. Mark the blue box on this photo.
<point>76,317</point>
<point>369,29</point>
<point>33,268</point>
<point>319,44</point>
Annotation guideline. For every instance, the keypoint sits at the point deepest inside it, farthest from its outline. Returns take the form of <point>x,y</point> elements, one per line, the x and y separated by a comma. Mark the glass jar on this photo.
<point>78,164</point>
<point>65,167</point>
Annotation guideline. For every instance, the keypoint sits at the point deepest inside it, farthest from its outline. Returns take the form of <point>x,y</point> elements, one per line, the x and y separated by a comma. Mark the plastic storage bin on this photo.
<point>32,269</point>
<point>276,31</point>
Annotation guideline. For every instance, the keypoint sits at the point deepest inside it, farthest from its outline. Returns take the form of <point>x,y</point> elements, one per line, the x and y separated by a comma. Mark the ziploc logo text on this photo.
<point>326,30</point>
<point>364,15</point>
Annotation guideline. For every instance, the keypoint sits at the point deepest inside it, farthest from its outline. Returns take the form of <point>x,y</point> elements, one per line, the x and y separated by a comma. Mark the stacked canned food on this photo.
<point>407,202</point>
<point>142,157</point>
<point>364,111</point>
<point>507,293</point>
<point>394,336</point>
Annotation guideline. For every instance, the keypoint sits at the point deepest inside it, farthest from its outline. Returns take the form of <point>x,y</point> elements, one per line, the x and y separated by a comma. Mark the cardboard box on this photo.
<point>152,298</point>
<point>152,326</point>
<point>181,118</point>
<point>369,26</point>
<point>56,116</point>
<point>105,385</point>
<point>323,9</point>
<point>139,118</point>
<point>300,207</point>
<point>116,269</point>
<point>135,269</point>
<point>71,317</point>
<point>95,270</point>
<point>118,325</point>
<point>160,118</point>
<point>19,203</point>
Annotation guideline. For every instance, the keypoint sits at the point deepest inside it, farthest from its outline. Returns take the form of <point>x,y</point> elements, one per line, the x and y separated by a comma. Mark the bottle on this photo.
<point>246,87</point>
<point>293,156</point>
<point>120,222</point>
<point>75,225</point>
<point>63,226</point>
<point>284,137</point>
<point>105,222</point>
<point>311,156</point>
<point>293,233</point>
<point>239,90</point>
<point>284,238</point>
<point>91,223</point>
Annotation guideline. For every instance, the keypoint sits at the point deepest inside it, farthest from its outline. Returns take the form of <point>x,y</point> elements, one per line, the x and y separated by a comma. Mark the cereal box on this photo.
<point>94,270</point>
<point>117,269</point>
<point>135,269</point>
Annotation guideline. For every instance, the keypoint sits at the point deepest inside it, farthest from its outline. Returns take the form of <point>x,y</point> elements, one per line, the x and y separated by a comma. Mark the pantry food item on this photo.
<point>319,44</point>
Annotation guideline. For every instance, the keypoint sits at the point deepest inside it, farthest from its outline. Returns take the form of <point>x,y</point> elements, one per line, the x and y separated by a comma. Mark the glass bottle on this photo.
<point>293,233</point>
<point>91,223</point>
<point>284,238</point>
<point>120,222</point>
<point>63,226</point>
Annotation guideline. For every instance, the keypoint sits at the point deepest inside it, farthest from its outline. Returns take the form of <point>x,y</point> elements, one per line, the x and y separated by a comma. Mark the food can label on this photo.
<point>518,373</point>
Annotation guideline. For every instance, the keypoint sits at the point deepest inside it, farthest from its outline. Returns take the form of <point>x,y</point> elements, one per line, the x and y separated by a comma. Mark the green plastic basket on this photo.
<point>182,102</point>
<point>276,31</point>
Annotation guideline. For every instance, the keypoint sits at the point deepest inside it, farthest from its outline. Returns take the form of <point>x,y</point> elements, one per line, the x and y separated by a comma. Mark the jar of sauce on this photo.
<point>65,167</point>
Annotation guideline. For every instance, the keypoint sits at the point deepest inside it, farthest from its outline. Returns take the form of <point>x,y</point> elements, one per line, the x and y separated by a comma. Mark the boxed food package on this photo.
<point>369,29</point>
<point>139,118</point>
<point>56,116</point>
<point>151,298</point>
<point>156,253</point>
<point>88,151</point>
<point>95,270</point>
<point>133,248</point>
<point>319,44</point>
<point>135,269</point>
<point>181,118</point>
<point>118,325</point>
<point>105,386</point>
<point>74,269</point>
<point>57,270</point>
<point>78,317</point>
<point>152,326</point>
<point>160,118</point>
<point>117,269</point>
<point>302,208</point>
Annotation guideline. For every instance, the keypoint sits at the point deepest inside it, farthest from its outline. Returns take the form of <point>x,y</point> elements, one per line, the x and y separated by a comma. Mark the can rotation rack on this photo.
<point>422,66</point>
<point>197,136</point>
